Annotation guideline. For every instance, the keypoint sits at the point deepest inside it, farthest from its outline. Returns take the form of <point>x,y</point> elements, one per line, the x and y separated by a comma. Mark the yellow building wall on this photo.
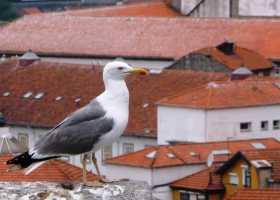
<point>237,168</point>
<point>176,195</point>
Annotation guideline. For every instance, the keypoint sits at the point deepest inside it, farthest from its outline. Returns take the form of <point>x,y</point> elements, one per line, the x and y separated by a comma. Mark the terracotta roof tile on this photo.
<point>218,95</point>
<point>187,154</point>
<point>256,194</point>
<point>143,9</point>
<point>51,171</point>
<point>241,57</point>
<point>205,180</point>
<point>57,34</point>
<point>81,81</point>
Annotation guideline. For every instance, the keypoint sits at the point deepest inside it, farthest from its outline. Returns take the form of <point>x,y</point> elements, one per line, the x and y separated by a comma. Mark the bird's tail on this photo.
<point>25,160</point>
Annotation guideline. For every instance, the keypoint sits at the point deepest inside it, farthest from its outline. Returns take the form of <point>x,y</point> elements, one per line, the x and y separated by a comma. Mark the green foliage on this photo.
<point>7,11</point>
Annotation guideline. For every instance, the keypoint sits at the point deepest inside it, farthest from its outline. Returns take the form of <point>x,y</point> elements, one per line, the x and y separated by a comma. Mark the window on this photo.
<point>264,125</point>
<point>276,124</point>
<point>107,152</point>
<point>245,126</point>
<point>184,196</point>
<point>23,139</point>
<point>258,145</point>
<point>128,147</point>
<point>233,179</point>
<point>201,197</point>
<point>246,176</point>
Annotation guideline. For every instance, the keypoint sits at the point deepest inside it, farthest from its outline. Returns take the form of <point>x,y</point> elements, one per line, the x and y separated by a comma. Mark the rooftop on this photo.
<point>187,154</point>
<point>205,180</point>
<point>51,171</point>
<point>142,37</point>
<point>140,9</point>
<point>28,90</point>
<point>256,194</point>
<point>239,57</point>
<point>253,91</point>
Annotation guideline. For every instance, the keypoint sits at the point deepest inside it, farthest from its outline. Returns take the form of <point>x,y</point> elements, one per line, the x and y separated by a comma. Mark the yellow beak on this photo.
<point>139,70</point>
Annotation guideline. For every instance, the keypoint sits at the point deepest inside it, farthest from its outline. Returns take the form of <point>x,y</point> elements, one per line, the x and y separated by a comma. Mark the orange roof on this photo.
<point>256,194</point>
<point>186,154</point>
<point>81,81</point>
<point>241,57</point>
<point>205,180</point>
<point>146,9</point>
<point>51,171</point>
<point>141,37</point>
<point>30,11</point>
<point>219,95</point>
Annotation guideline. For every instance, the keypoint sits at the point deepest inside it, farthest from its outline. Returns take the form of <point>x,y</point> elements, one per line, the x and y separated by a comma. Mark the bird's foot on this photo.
<point>96,183</point>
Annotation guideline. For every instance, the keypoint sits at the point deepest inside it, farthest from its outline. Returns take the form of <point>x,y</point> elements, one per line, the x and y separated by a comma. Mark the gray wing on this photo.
<point>77,133</point>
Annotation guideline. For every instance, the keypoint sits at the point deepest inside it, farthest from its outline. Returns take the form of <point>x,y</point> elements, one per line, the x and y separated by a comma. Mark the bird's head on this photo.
<point>118,70</point>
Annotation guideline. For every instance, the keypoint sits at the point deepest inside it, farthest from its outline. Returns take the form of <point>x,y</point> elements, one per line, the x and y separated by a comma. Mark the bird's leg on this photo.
<point>84,162</point>
<point>101,178</point>
<point>96,183</point>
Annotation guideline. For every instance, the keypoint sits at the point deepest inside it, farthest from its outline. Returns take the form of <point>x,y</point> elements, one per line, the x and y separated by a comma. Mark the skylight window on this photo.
<point>222,152</point>
<point>39,95</point>
<point>259,145</point>
<point>58,98</point>
<point>27,94</point>
<point>77,100</point>
<point>171,155</point>
<point>151,155</point>
<point>261,163</point>
<point>5,94</point>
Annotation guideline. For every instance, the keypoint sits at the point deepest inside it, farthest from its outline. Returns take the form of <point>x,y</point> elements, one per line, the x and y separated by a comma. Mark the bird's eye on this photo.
<point>120,68</point>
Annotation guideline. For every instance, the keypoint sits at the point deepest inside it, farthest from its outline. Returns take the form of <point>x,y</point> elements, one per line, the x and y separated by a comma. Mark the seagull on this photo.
<point>99,123</point>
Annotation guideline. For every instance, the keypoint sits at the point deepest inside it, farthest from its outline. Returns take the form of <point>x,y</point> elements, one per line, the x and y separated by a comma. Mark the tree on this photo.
<point>7,11</point>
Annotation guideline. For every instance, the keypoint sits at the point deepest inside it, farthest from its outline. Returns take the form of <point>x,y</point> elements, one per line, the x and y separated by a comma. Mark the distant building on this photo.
<point>233,109</point>
<point>225,57</point>
<point>228,8</point>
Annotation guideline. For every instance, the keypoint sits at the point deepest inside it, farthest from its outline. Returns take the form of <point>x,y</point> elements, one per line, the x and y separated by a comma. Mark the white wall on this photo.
<point>151,64</point>
<point>132,173</point>
<point>177,123</point>
<point>259,8</point>
<point>209,8</point>
<point>225,123</point>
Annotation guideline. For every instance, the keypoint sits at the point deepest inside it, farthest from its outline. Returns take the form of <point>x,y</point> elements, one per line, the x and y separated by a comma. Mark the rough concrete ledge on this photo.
<point>125,190</point>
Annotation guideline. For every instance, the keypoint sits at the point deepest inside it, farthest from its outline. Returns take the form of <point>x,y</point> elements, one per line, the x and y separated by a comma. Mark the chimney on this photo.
<point>240,74</point>
<point>28,58</point>
<point>227,48</point>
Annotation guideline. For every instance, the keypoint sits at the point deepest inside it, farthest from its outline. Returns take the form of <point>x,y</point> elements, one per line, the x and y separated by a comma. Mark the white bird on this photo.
<point>86,130</point>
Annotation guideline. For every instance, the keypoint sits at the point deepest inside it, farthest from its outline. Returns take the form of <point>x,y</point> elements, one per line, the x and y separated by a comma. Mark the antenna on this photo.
<point>210,159</point>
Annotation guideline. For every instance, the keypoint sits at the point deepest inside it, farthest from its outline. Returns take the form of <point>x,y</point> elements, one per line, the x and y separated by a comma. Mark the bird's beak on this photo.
<point>139,70</point>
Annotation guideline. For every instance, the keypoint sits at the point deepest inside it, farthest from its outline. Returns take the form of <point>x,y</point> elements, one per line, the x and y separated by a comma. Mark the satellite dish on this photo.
<point>210,159</point>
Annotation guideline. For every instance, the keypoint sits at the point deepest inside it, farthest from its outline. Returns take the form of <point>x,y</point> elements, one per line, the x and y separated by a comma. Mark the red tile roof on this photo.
<point>146,9</point>
<point>56,34</point>
<point>51,171</point>
<point>219,95</point>
<point>205,180</point>
<point>186,154</point>
<point>241,57</point>
<point>256,194</point>
<point>81,81</point>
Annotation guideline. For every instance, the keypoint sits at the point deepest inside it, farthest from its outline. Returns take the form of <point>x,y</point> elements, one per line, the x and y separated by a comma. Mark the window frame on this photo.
<point>23,135</point>
<point>235,175</point>
<point>276,127</point>
<point>266,127</point>
<point>127,145</point>
<point>249,129</point>
<point>105,153</point>
<point>185,194</point>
